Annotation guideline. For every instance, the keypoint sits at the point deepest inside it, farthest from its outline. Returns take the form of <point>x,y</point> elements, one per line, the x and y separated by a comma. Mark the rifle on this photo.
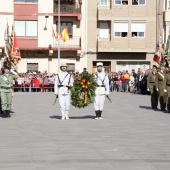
<point>55,99</point>
<point>109,99</point>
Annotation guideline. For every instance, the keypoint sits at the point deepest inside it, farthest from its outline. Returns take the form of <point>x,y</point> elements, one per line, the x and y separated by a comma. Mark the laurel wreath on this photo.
<point>83,91</point>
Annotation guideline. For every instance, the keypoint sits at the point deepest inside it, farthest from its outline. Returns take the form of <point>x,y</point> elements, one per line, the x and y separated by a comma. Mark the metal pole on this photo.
<point>58,35</point>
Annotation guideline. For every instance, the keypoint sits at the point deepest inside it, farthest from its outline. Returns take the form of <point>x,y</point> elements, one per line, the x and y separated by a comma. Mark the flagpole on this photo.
<point>58,35</point>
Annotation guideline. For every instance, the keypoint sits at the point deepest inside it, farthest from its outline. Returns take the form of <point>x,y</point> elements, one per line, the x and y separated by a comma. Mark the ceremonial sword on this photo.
<point>109,99</point>
<point>55,99</point>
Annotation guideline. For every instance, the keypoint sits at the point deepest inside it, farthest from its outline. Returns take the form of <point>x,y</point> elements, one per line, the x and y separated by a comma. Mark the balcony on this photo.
<point>122,44</point>
<point>104,5</point>
<point>67,8</point>
<point>104,10</point>
<point>71,43</point>
<point>104,38</point>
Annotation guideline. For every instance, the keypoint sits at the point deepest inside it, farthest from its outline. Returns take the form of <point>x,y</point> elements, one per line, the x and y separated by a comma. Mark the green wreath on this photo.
<point>83,91</point>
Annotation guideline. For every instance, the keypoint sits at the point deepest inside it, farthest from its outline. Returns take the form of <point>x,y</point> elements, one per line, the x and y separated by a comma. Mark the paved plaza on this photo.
<point>130,137</point>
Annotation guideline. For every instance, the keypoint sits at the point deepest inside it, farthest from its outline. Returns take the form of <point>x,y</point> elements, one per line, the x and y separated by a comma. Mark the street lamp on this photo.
<point>45,28</point>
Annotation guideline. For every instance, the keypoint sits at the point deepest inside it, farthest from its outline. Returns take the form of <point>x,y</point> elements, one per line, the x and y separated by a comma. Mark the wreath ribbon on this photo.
<point>84,85</point>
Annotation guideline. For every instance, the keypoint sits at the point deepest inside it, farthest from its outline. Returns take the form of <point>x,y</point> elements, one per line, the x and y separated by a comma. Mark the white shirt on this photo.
<point>64,78</point>
<point>99,78</point>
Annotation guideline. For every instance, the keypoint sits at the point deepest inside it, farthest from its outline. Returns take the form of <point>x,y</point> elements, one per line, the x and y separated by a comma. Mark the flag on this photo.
<point>6,33</point>
<point>64,34</point>
<point>16,55</point>
<point>54,33</point>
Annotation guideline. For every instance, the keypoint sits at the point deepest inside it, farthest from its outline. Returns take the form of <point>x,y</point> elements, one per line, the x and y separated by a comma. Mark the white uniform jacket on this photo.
<point>66,80</point>
<point>102,79</point>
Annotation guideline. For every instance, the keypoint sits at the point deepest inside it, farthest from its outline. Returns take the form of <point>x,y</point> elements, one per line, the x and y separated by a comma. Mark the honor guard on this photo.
<point>101,91</point>
<point>1,113</point>
<point>6,82</point>
<point>160,76</point>
<point>63,84</point>
<point>167,88</point>
<point>152,87</point>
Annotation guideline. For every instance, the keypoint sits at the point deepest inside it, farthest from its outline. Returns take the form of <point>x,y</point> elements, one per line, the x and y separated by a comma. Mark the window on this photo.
<point>104,2</point>
<point>104,31</point>
<point>26,28</point>
<point>70,67</point>
<point>121,2</point>
<point>25,1</point>
<point>168,4</point>
<point>32,67</point>
<point>69,27</point>
<point>138,29</point>
<point>121,29</point>
<point>138,2</point>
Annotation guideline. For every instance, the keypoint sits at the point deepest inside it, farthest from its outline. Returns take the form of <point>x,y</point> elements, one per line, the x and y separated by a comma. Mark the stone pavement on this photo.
<point>130,137</point>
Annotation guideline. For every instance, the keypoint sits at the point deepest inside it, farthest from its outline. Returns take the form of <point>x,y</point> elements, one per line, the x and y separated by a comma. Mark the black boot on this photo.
<point>100,114</point>
<point>97,114</point>
<point>2,113</point>
<point>8,113</point>
<point>5,115</point>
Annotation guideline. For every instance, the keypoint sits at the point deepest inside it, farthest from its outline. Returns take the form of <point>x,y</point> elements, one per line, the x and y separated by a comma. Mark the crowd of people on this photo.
<point>122,81</point>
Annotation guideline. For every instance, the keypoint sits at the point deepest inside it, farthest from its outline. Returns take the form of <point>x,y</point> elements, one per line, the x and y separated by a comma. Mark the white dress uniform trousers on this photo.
<point>63,79</point>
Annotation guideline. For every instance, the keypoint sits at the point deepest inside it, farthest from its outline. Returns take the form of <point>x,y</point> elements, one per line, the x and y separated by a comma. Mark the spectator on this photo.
<point>111,81</point>
<point>131,82</point>
<point>122,79</point>
<point>116,83</point>
<point>126,76</point>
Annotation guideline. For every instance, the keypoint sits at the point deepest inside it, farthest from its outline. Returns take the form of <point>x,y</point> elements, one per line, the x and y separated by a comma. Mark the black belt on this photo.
<point>100,85</point>
<point>168,84</point>
<point>63,86</point>
<point>152,82</point>
<point>5,87</point>
<point>160,80</point>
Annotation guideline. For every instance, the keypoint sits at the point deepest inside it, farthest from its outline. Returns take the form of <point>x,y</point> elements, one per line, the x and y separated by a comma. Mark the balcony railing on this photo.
<point>74,42</point>
<point>104,5</point>
<point>104,38</point>
<point>26,1</point>
<point>66,8</point>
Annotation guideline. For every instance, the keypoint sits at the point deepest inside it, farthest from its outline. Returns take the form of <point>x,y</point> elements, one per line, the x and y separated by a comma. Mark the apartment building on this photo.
<point>33,21</point>
<point>121,33</point>
<point>166,18</point>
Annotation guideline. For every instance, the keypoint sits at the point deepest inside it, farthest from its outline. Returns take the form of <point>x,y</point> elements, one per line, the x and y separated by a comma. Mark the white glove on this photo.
<point>157,89</point>
<point>165,90</point>
<point>148,89</point>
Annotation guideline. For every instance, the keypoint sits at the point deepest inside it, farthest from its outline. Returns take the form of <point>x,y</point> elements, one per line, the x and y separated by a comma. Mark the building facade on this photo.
<point>33,21</point>
<point>121,33</point>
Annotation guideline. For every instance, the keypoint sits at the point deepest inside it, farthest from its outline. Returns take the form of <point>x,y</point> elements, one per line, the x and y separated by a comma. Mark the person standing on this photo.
<point>101,91</point>
<point>126,76</point>
<point>62,89</point>
<point>160,76</point>
<point>6,83</point>
<point>167,89</point>
<point>1,113</point>
<point>151,86</point>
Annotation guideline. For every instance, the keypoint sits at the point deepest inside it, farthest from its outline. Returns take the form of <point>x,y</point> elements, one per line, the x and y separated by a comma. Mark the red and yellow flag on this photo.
<point>15,53</point>
<point>64,34</point>
<point>54,33</point>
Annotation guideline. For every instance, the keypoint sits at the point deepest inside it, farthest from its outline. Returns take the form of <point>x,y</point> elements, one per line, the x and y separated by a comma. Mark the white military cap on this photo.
<point>63,65</point>
<point>99,64</point>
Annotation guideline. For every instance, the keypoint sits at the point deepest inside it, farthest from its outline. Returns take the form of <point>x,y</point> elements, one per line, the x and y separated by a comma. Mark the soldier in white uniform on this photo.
<point>102,90</point>
<point>63,84</point>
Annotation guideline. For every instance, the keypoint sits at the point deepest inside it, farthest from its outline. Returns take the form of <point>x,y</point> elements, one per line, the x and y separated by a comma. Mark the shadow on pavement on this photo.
<point>75,117</point>
<point>145,107</point>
